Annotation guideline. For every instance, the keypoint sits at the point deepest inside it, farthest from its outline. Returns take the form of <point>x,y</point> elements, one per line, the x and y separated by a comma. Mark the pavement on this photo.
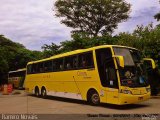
<point>20,103</point>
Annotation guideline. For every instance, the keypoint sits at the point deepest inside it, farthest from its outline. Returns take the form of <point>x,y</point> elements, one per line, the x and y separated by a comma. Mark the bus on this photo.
<point>103,74</point>
<point>17,77</point>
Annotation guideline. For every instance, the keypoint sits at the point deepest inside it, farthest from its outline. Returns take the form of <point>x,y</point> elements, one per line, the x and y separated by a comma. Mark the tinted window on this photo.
<point>17,74</point>
<point>29,69</point>
<point>48,66</point>
<point>34,68</point>
<point>71,62</point>
<point>85,60</point>
<point>80,61</point>
<point>102,56</point>
<point>40,67</point>
<point>58,64</point>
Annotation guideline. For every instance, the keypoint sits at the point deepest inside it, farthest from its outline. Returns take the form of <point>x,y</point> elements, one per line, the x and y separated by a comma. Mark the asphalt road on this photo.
<point>22,104</point>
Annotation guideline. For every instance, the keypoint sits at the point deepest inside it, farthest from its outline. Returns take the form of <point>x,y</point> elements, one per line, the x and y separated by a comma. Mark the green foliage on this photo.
<point>14,56</point>
<point>144,38</point>
<point>92,16</point>
<point>3,66</point>
<point>50,50</point>
<point>78,41</point>
<point>149,39</point>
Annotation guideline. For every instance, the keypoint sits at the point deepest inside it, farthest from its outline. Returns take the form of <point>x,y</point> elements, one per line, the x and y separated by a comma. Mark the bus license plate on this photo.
<point>140,98</point>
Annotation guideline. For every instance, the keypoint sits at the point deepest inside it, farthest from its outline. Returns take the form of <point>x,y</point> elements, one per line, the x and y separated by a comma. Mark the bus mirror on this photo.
<point>120,60</point>
<point>150,62</point>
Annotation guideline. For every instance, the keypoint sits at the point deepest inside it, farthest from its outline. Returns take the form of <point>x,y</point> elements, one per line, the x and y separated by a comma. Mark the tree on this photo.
<point>14,56</point>
<point>144,38</point>
<point>157,16</point>
<point>50,50</point>
<point>78,41</point>
<point>95,17</point>
<point>127,39</point>
<point>3,67</point>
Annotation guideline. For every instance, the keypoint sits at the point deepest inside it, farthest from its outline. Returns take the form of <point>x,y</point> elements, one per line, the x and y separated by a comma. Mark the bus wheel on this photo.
<point>94,98</point>
<point>43,93</point>
<point>37,91</point>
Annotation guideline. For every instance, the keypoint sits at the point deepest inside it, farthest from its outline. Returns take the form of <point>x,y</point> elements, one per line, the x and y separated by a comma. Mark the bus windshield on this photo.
<point>128,60</point>
<point>134,73</point>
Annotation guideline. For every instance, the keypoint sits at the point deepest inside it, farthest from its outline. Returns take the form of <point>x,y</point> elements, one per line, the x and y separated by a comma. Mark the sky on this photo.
<point>33,23</point>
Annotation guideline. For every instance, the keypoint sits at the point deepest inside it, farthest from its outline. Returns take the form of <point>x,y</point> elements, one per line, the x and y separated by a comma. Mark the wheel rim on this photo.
<point>95,98</point>
<point>37,93</point>
<point>43,93</point>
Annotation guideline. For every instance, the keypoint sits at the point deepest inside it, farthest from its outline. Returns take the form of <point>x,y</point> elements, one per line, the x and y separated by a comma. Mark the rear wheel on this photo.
<point>43,93</point>
<point>37,92</point>
<point>94,98</point>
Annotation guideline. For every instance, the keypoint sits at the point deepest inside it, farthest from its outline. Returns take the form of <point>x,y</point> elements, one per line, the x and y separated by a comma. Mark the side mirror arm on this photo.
<point>152,62</point>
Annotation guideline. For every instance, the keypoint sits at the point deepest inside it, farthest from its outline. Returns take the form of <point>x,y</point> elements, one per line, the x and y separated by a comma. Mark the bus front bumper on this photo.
<point>130,99</point>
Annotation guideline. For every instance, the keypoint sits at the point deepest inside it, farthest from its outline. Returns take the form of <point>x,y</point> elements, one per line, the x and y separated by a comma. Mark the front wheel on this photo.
<point>94,98</point>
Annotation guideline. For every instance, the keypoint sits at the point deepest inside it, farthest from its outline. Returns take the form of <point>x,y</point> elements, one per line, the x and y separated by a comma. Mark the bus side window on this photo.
<point>34,68</point>
<point>61,67</point>
<point>89,60</point>
<point>86,60</point>
<point>58,64</point>
<point>40,67</point>
<point>48,66</point>
<point>75,61</point>
<point>70,62</point>
<point>29,69</point>
<point>54,65</point>
<point>68,66</point>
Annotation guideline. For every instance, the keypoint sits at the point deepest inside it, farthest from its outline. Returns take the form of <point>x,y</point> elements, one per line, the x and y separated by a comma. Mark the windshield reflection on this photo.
<point>128,61</point>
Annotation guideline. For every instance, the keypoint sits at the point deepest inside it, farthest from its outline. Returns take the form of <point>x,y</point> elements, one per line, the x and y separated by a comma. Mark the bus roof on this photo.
<point>78,51</point>
<point>19,70</point>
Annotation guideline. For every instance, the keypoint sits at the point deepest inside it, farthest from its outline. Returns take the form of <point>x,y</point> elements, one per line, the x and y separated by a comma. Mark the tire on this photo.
<point>36,92</point>
<point>43,93</point>
<point>94,98</point>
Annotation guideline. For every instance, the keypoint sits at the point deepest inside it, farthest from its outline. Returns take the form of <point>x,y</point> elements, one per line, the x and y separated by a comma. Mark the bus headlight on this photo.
<point>126,91</point>
<point>148,89</point>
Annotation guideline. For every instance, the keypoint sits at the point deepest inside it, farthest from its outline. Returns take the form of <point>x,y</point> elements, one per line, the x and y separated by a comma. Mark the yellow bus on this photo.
<point>16,78</point>
<point>103,74</point>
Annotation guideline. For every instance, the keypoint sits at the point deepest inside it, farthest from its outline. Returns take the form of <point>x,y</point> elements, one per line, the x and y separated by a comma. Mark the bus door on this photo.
<point>107,74</point>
